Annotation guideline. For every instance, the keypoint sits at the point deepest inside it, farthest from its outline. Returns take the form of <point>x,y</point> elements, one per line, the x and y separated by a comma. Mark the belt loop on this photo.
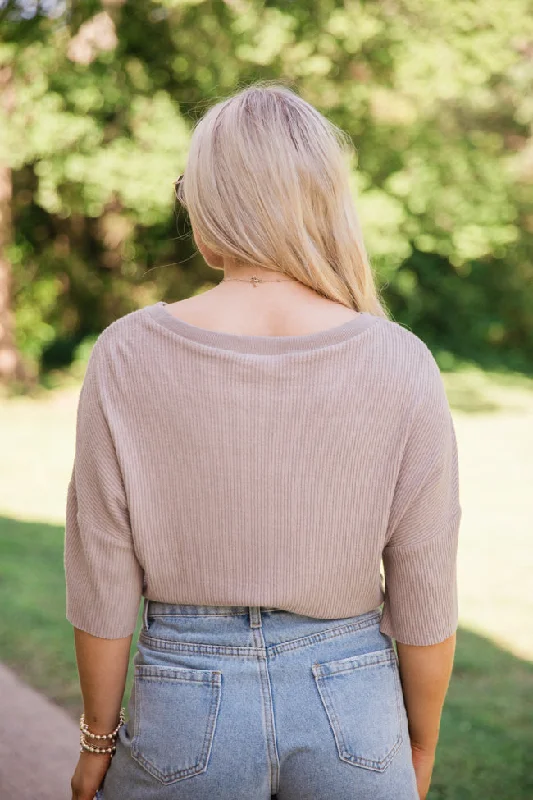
<point>255,616</point>
<point>145,613</point>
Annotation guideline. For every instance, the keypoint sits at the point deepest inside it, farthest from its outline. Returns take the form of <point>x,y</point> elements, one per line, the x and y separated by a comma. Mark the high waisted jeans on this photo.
<point>248,702</point>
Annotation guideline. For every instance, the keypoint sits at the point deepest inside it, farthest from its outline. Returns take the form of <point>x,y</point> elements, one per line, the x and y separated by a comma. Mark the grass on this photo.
<point>35,637</point>
<point>486,745</point>
<point>485,750</point>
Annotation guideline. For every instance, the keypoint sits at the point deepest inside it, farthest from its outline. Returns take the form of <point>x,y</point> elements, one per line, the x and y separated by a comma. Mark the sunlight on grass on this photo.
<point>39,437</point>
<point>496,479</point>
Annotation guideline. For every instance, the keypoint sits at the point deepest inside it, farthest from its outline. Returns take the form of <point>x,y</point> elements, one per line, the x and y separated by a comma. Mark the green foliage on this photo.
<point>436,97</point>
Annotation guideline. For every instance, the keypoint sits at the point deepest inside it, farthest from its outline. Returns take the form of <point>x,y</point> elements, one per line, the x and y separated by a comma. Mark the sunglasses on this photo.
<point>177,185</point>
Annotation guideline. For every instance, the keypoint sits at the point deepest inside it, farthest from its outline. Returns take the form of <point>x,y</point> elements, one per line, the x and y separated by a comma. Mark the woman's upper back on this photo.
<point>222,468</point>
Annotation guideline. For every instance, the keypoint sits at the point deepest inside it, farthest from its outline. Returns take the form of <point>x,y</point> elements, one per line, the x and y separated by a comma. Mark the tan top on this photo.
<point>224,469</point>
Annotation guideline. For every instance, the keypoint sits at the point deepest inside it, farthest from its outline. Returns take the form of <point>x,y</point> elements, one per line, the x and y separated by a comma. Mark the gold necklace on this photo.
<point>255,280</point>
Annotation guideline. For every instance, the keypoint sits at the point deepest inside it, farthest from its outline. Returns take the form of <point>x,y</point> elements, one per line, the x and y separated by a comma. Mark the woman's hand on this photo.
<point>89,774</point>
<point>423,762</point>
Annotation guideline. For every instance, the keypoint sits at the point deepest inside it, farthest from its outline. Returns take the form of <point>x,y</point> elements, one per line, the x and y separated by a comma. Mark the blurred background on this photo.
<point>97,101</point>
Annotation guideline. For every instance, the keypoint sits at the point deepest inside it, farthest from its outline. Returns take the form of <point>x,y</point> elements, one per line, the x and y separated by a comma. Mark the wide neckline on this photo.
<point>266,345</point>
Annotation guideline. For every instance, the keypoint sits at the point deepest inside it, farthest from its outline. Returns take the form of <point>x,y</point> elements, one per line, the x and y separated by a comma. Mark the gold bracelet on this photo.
<point>84,746</point>
<point>85,728</point>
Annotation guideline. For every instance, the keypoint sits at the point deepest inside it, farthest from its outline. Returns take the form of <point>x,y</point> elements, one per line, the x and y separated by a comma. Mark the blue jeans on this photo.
<point>249,703</point>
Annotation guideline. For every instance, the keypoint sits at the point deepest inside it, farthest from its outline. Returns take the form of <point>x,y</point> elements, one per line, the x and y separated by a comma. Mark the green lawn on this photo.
<point>486,746</point>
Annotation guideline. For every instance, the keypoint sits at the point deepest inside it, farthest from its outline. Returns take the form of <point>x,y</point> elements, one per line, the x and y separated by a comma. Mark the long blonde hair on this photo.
<point>267,183</point>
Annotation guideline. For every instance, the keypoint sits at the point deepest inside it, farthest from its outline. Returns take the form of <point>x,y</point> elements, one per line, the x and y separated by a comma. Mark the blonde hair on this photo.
<point>267,183</point>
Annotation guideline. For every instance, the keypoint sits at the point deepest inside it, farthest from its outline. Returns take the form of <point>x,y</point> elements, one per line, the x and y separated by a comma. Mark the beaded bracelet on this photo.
<point>85,728</point>
<point>91,749</point>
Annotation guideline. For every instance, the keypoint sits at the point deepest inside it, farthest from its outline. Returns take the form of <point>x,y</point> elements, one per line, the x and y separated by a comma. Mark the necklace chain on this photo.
<point>254,280</point>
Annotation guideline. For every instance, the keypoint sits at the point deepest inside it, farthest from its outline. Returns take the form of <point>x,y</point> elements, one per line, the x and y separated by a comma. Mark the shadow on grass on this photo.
<point>486,744</point>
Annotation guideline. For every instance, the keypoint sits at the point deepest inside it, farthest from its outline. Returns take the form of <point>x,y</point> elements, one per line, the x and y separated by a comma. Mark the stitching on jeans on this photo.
<point>214,613</point>
<point>329,706</point>
<point>207,649</point>
<point>203,759</point>
<point>173,673</point>
<point>320,636</point>
<point>337,666</point>
<point>252,652</point>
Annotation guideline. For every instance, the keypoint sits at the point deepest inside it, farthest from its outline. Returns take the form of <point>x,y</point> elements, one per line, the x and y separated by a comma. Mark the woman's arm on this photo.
<point>420,611</point>
<point>102,667</point>
<point>104,578</point>
<point>425,673</point>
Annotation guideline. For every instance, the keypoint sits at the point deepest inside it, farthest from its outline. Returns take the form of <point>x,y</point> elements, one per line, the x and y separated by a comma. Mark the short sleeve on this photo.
<point>420,556</point>
<point>103,576</point>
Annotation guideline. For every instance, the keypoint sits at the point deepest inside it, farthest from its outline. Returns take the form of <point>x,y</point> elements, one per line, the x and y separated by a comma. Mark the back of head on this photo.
<point>267,183</point>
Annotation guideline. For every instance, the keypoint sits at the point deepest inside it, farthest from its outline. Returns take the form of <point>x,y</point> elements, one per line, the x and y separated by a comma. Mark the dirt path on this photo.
<point>39,744</point>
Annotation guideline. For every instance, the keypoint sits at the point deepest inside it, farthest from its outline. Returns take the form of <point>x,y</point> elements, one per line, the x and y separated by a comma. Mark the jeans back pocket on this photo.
<point>362,697</point>
<point>175,715</point>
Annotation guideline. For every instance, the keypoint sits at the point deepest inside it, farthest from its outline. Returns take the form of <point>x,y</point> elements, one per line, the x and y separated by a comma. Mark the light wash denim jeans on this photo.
<point>249,703</point>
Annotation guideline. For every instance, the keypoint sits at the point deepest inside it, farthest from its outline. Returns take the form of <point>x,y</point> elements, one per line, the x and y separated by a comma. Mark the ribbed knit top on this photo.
<point>278,471</point>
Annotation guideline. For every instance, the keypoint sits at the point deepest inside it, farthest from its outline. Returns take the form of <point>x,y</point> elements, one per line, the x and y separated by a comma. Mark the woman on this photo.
<point>245,459</point>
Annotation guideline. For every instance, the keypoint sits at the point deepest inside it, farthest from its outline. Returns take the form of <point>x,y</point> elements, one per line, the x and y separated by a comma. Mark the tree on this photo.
<point>11,365</point>
<point>435,97</point>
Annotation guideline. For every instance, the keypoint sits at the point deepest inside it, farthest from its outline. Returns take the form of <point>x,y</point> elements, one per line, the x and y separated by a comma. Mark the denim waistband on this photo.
<point>156,608</point>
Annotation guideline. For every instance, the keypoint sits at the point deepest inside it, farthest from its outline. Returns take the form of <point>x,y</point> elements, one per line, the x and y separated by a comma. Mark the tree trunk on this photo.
<point>11,366</point>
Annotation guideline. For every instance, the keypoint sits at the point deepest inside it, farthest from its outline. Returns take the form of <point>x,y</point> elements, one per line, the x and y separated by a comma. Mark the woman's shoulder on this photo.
<point>122,341</point>
<point>403,366</point>
<point>401,344</point>
<point>131,324</point>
